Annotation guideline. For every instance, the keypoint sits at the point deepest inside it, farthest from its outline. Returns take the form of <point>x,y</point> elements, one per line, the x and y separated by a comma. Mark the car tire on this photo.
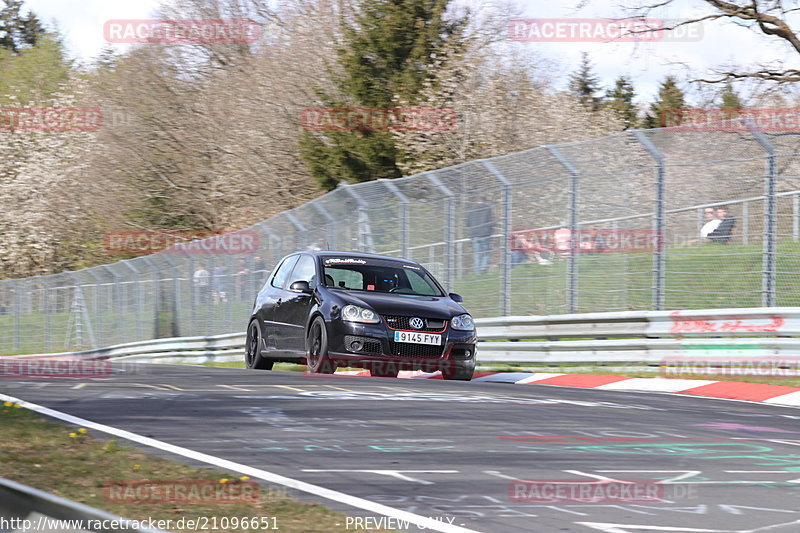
<point>384,370</point>
<point>317,348</point>
<point>252,350</point>
<point>457,373</point>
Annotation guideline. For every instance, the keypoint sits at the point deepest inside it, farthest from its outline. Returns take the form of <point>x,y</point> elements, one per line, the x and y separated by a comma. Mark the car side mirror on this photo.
<point>300,286</point>
<point>456,297</point>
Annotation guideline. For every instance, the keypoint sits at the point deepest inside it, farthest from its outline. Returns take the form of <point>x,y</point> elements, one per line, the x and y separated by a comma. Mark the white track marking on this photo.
<point>340,497</point>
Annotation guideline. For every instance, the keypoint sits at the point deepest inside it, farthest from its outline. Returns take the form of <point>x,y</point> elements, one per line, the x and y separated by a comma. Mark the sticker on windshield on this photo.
<point>346,260</point>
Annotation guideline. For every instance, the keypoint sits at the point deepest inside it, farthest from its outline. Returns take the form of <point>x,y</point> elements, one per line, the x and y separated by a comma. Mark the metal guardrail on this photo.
<point>24,508</point>
<point>628,336</point>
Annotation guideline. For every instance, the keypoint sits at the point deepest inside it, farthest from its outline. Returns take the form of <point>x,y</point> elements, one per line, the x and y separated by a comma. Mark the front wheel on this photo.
<point>252,355</point>
<point>317,351</point>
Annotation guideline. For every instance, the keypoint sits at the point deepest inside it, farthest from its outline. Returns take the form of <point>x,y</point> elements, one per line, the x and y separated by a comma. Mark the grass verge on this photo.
<point>73,464</point>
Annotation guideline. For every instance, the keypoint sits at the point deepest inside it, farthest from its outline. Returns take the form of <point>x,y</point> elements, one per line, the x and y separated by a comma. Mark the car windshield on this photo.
<point>374,275</point>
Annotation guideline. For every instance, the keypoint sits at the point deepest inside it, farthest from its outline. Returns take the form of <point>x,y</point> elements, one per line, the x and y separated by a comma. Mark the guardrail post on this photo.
<point>403,199</point>
<point>505,303</point>
<point>660,260</point>
<point>572,260</point>
<point>449,230</point>
<point>364,231</point>
<point>770,221</point>
<point>330,241</point>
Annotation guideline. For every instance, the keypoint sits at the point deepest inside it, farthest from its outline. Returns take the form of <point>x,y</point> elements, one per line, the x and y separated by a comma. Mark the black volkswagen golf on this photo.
<point>331,309</point>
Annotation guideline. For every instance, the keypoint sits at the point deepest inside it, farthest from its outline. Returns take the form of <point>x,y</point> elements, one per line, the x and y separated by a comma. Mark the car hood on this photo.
<point>405,305</point>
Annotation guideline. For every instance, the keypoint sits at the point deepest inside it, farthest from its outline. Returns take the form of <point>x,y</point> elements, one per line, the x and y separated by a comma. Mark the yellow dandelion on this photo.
<point>137,467</point>
<point>18,406</point>
<point>223,480</point>
<point>244,478</point>
<point>7,404</point>
<point>82,431</point>
<point>73,435</point>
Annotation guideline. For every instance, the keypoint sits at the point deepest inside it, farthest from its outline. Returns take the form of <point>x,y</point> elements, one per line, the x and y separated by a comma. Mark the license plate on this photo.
<point>417,338</point>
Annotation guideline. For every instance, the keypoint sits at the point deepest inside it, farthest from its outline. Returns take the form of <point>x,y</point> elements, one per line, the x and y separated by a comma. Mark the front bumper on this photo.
<point>377,345</point>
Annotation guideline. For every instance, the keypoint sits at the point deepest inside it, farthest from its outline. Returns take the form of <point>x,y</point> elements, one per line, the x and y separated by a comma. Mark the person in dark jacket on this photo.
<point>724,231</point>
<point>480,223</point>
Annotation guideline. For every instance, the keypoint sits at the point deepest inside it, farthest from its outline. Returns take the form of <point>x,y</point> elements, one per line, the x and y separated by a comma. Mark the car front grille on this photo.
<point>434,325</point>
<point>422,351</point>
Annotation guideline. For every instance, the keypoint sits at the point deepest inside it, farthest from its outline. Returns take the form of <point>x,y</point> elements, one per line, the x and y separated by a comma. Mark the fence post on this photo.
<point>795,217</point>
<point>16,306</point>
<point>156,298</point>
<point>364,231</point>
<point>273,238</point>
<point>330,243</point>
<point>138,291</point>
<point>117,304</point>
<point>770,221</point>
<point>97,320</point>
<point>506,291</point>
<point>745,222</point>
<point>301,230</point>
<point>572,261</point>
<point>176,294</point>
<point>403,214</point>
<point>449,230</point>
<point>659,274</point>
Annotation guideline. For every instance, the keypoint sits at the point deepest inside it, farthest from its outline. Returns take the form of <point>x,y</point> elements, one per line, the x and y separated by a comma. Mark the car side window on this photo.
<point>281,275</point>
<point>305,270</point>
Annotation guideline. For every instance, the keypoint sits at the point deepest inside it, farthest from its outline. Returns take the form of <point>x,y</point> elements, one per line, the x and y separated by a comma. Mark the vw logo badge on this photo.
<point>417,323</point>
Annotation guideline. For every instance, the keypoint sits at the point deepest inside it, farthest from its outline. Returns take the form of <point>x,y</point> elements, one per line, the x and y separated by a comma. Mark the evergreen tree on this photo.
<point>34,74</point>
<point>17,30</point>
<point>670,98</point>
<point>387,53</point>
<point>584,84</point>
<point>730,98</point>
<point>620,101</point>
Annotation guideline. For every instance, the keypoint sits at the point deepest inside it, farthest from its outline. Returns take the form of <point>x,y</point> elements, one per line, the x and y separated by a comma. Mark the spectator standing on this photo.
<point>219,284</point>
<point>711,224</point>
<point>201,284</point>
<point>723,233</point>
<point>480,223</point>
<point>563,240</point>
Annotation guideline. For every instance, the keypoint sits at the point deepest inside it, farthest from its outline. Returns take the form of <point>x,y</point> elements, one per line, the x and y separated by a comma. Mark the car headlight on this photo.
<point>354,313</point>
<point>462,322</point>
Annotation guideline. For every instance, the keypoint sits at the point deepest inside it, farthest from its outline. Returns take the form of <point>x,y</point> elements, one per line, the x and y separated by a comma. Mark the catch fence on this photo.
<point>609,224</point>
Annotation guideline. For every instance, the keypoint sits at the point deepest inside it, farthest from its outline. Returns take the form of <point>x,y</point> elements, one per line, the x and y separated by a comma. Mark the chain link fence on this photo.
<point>611,224</point>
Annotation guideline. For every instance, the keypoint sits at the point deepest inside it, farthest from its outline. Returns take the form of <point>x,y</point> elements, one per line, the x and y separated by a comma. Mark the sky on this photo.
<point>81,23</point>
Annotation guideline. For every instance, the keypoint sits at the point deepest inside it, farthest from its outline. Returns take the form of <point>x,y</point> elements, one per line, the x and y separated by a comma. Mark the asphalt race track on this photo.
<point>455,451</point>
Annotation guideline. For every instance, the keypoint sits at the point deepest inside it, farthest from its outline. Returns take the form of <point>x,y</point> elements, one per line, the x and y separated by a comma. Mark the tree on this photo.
<point>35,73</point>
<point>388,47</point>
<point>730,98</point>
<point>584,84</point>
<point>773,18</point>
<point>18,31</point>
<point>620,101</point>
<point>670,98</point>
